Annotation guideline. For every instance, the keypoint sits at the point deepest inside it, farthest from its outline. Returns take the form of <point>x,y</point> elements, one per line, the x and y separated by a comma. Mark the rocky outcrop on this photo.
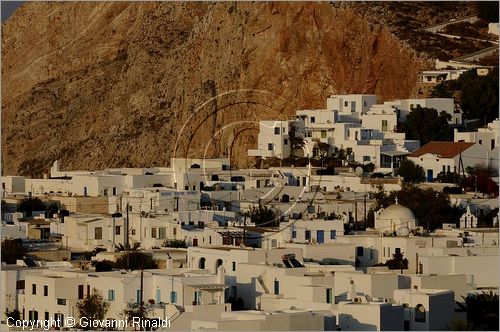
<point>133,84</point>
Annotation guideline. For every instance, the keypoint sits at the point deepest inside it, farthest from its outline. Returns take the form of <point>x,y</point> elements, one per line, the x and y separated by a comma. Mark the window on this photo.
<point>309,133</point>
<point>492,144</point>
<point>348,150</point>
<point>45,290</point>
<point>20,284</point>
<point>174,231</point>
<point>420,313</point>
<point>111,295</point>
<point>328,295</point>
<point>333,234</point>
<point>346,103</point>
<point>294,234</point>
<point>47,315</point>
<point>359,251</point>
<point>285,141</point>
<point>323,134</point>
<point>114,191</point>
<point>153,232</point>
<point>270,146</point>
<point>274,243</point>
<point>320,236</point>
<point>364,103</point>
<point>480,142</point>
<point>277,130</point>
<point>367,158</point>
<point>162,232</point>
<point>276,286</point>
<point>173,297</point>
<point>353,106</point>
<point>186,187</point>
<point>384,125</point>
<point>448,168</point>
<point>80,292</point>
<point>308,235</point>
<point>313,119</point>
<point>234,266</point>
<point>117,230</point>
<point>61,301</point>
<point>98,233</point>
<point>33,289</point>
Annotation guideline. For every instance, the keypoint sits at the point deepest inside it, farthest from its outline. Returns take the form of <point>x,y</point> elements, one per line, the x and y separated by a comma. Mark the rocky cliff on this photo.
<point>132,84</point>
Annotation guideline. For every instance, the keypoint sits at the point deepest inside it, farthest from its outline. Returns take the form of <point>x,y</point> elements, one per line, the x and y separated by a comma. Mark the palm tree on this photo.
<point>481,310</point>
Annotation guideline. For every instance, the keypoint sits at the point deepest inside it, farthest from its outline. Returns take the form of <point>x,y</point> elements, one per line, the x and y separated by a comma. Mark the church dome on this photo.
<point>396,212</point>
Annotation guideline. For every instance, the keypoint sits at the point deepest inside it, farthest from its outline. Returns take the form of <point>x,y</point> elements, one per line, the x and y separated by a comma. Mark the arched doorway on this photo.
<point>218,263</point>
<point>201,263</point>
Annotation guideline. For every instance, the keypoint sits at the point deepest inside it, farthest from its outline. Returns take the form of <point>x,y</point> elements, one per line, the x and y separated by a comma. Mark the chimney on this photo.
<point>352,293</point>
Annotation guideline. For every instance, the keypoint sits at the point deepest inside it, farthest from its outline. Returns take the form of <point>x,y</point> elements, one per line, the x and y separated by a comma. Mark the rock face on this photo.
<point>108,84</point>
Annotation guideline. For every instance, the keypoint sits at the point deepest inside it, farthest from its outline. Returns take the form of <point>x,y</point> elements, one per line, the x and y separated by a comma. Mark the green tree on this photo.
<point>136,310</point>
<point>297,142</point>
<point>175,243</point>
<point>12,250</point>
<point>134,260</point>
<point>263,216</point>
<point>425,124</point>
<point>93,306</point>
<point>441,91</point>
<point>487,10</point>
<point>398,262</point>
<point>28,205</point>
<point>411,172</point>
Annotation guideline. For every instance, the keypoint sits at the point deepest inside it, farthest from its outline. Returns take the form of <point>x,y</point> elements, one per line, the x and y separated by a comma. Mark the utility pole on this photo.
<point>244,229</point>
<point>127,244</point>
<point>364,202</point>
<point>355,214</point>
<point>141,309</point>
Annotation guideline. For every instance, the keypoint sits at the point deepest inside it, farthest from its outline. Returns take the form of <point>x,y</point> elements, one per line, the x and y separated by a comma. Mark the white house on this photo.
<point>454,157</point>
<point>370,316</point>
<point>426,309</point>
<point>487,139</point>
<point>274,139</point>
<point>405,106</point>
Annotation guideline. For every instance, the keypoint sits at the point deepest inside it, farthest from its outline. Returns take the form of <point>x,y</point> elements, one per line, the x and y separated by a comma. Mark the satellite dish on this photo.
<point>358,170</point>
<point>368,298</point>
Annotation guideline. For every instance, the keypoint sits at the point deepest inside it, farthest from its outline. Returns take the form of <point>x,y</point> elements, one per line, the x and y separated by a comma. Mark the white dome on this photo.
<point>396,212</point>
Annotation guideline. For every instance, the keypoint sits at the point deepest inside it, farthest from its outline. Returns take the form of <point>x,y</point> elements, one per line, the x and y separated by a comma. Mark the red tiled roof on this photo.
<point>442,149</point>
